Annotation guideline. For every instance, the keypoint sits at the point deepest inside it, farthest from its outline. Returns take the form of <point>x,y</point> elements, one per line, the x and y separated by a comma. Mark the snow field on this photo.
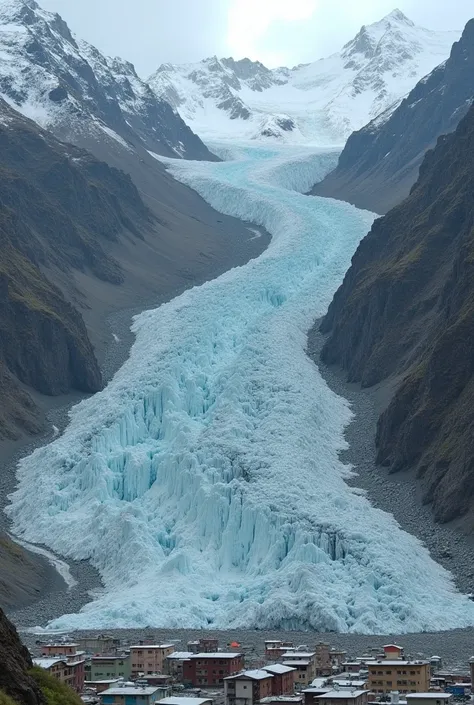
<point>204,482</point>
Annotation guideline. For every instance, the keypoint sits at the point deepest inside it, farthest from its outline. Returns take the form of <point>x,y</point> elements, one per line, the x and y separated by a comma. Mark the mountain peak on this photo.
<point>398,16</point>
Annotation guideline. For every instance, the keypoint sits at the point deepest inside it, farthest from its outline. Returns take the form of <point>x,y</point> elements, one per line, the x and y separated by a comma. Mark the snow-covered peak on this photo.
<point>69,87</point>
<point>324,101</point>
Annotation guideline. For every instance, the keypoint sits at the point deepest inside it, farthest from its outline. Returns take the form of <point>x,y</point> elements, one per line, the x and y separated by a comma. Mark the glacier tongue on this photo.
<point>204,482</point>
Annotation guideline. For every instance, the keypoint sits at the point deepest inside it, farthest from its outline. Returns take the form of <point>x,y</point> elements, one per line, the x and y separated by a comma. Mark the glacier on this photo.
<point>204,482</point>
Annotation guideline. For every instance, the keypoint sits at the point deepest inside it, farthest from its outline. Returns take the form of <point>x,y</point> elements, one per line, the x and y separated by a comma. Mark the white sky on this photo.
<point>277,32</point>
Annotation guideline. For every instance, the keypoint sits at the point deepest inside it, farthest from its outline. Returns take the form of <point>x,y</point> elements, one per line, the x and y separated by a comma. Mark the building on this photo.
<point>211,668</point>
<point>404,676</point>
<point>174,663</point>
<point>149,658</point>
<point>60,649</point>
<point>67,669</point>
<point>429,698</point>
<point>304,663</point>
<point>100,686</point>
<point>343,697</point>
<point>172,700</point>
<point>393,651</point>
<point>101,644</point>
<point>200,646</point>
<point>283,682</point>
<point>337,657</point>
<point>311,694</point>
<point>275,648</point>
<point>108,667</point>
<point>131,694</point>
<point>248,687</point>
<point>282,700</point>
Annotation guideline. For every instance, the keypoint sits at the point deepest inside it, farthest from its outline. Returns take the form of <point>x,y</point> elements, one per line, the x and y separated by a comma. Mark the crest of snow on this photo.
<point>327,99</point>
<point>204,482</point>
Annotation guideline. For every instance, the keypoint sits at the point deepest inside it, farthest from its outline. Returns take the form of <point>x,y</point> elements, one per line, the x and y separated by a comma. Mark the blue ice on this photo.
<point>204,482</point>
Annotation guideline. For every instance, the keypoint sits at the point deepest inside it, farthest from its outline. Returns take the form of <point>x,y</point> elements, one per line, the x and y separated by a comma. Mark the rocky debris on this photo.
<point>405,312</point>
<point>380,162</point>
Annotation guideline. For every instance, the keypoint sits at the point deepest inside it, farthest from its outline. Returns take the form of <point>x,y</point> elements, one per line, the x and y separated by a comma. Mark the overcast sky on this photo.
<point>278,32</point>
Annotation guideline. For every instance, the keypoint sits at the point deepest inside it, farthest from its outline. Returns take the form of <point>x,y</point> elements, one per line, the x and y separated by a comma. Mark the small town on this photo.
<point>104,670</point>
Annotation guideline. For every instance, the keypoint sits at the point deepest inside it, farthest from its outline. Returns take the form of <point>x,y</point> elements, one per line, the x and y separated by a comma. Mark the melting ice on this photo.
<point>204,482</point>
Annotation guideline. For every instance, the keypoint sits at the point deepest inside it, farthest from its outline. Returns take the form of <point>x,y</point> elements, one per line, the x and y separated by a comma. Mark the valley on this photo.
<point>179,439</point>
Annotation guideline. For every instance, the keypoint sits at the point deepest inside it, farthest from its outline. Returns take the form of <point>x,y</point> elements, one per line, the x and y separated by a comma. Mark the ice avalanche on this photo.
<point>204,482</point>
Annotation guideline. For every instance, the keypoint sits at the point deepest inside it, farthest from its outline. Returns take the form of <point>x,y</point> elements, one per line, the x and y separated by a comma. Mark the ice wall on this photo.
<point>204,483</point>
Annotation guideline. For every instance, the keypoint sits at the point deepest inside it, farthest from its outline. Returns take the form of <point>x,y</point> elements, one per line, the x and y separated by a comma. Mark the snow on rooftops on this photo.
<point>299,654</point>
<point>278,668</point>
<point>394,662</point>
<point>345,694</point>
<point>180,655</point>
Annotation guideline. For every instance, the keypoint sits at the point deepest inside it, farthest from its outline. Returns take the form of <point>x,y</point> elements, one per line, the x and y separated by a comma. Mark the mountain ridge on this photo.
<point>372,72</point>
<point>380,162</point>
<point>404,316</point>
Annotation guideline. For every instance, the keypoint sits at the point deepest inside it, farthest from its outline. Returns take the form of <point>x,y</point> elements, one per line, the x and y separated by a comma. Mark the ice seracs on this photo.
<point>204,482</point>
<point>320,102</point>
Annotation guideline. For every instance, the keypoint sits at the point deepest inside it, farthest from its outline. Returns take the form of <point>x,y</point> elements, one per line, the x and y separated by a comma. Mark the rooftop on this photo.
<point>393,646</point>
<point>133,690</point>
<point>346,694</point>
<point>296,663</point>
<point>181,655</point>
<point>278,668</point>
<point>302,654</point>
<point>282,699</point>
<point>257,674</point>
<point>348,682</point>
<point>394,662</point>
<point>435,696</point>
<point>184,701</point>
<point>48,662</point>
<point>153,646</point>
<point>217,654</point>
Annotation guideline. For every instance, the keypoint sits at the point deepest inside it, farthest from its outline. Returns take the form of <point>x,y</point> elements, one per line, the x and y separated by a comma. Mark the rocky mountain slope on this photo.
<point>15,662</point>
<point>380,162</point>
<point>67,86</point>
<point>323,101</point>
<point>60,209</point>
<point>404,316</point>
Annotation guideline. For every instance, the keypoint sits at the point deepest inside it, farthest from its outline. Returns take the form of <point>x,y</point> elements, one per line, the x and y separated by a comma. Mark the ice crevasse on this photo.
<point>204,482</point>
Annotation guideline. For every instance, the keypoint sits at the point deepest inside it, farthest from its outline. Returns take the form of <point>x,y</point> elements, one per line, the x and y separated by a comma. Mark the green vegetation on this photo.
<point>56,693</point>
<point>6,699</point>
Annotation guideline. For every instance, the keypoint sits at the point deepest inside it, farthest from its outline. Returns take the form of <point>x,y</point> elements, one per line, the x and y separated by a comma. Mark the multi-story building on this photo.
<point>200,646</point>
<point>304,663</point>
<point>248,687</point>
<point>149,658</point>
<point>211,668</point>
<point>60,649</point>
<point>67,669</point>
<point>174,663</point>
<point>102,644</point>
<point>283,682</point>
<point>386,675</point>
<point>108,667</point>
<point>275,648</point>
<point>323,660</point>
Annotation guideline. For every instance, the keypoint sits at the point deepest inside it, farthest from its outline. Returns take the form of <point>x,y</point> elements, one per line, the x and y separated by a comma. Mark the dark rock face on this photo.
<point>59,207</point>
<point>380,162</point>
<point>15,661</point>
<point>405,312</point>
